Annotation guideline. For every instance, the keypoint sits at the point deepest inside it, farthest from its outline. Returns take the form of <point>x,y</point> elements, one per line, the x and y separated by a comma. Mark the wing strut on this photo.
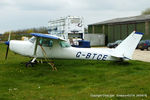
<point>51,63</point>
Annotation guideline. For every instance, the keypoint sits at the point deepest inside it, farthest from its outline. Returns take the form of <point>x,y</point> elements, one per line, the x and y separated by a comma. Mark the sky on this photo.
<point>23,14</point>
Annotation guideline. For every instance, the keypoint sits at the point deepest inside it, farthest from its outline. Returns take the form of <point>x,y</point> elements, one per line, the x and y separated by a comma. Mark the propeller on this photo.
<point>7,43</point>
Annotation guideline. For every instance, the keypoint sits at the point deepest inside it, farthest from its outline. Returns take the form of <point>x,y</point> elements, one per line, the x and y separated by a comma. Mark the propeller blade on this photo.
<point>7,43</point>
<point>6,52</point>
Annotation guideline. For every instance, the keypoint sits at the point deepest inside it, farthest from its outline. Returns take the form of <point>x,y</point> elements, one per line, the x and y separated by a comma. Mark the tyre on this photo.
<point>148,49</point>
<point>29,64</point>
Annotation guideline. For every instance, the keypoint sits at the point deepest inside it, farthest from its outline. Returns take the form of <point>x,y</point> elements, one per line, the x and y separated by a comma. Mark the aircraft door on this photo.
<point>46,46</point>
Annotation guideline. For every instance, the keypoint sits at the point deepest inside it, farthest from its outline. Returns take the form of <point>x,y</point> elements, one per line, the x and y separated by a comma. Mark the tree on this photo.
<point>146,11</point>
<point>17,34</point>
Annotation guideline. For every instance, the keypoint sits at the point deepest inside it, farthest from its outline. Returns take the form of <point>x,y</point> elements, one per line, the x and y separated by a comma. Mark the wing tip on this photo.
<point>44,35</point>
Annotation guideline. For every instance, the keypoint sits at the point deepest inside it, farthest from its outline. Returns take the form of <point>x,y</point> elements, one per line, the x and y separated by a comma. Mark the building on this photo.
<point>120,28</point>
<point>70,27</point>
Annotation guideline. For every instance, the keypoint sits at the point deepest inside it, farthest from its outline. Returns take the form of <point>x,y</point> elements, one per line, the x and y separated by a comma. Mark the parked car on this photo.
<point>115,44</point>
<point>144,44</point>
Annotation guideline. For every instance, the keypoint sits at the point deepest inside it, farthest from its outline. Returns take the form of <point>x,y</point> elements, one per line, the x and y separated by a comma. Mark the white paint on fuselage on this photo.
<point>26,48</point>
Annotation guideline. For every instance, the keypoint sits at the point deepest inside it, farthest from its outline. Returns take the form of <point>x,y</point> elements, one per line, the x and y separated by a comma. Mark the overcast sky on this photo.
<point>22,14</point>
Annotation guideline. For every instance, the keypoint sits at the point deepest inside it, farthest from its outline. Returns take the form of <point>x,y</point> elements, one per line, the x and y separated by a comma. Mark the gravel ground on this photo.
<point>138,55</point>
<point>141,55</point>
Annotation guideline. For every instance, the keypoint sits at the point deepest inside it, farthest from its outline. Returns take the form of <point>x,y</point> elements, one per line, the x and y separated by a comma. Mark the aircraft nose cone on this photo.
<point>7,42</point>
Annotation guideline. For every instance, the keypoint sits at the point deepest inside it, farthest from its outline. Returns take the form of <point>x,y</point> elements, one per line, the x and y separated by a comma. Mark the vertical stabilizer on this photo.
<point>127,47</point>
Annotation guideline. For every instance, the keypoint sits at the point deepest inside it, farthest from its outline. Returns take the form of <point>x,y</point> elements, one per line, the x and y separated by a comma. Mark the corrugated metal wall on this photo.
<point>121,31</point>
<point>95,29</point>
<point>90,29</point>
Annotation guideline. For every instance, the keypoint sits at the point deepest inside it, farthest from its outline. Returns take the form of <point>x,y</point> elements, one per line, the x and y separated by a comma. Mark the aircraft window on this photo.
<point>64,44</point>
<point>46,43</point>
<point>32,39</point>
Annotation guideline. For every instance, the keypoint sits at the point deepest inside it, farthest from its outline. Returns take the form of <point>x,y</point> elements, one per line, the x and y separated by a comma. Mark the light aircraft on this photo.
<point>52,47</point>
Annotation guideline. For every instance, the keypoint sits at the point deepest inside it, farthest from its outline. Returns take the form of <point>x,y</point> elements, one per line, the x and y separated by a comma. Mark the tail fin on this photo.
<point>127,47</point>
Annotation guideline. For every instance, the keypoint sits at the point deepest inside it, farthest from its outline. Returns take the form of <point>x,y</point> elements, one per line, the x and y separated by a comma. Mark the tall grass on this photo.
<point>74,80</point>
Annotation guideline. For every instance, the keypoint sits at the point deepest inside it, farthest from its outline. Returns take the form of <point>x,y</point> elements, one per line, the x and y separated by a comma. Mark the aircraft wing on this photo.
<point>47,36</point>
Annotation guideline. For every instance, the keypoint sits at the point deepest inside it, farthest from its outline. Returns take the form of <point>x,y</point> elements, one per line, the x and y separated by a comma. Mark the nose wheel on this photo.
<point>29,64</point>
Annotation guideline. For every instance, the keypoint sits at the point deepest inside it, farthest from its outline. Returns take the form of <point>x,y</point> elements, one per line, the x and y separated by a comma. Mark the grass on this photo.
<point>74,80</point>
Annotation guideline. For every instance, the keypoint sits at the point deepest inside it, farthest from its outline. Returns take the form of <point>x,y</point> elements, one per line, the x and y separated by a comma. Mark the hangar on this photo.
<point>119,28</point>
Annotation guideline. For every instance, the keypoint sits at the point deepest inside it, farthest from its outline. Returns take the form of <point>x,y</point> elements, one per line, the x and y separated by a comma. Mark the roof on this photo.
<point>125,19</point>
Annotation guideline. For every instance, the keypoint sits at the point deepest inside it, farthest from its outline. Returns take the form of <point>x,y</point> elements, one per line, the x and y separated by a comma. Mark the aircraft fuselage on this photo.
<point>26,48</point>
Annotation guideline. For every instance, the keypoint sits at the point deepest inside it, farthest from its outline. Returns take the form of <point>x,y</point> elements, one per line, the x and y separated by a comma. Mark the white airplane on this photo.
<point>51,47</point>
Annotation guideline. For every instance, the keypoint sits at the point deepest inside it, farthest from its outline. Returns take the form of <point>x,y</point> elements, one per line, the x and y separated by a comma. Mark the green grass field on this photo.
<point>74,80</point>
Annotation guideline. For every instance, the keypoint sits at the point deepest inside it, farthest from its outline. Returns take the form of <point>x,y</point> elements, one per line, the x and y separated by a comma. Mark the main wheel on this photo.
<point>29,64</point>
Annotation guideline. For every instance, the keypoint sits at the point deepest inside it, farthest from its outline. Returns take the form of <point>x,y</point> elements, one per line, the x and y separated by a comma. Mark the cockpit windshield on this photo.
<point>64,44</point>
<point>32,39</point>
